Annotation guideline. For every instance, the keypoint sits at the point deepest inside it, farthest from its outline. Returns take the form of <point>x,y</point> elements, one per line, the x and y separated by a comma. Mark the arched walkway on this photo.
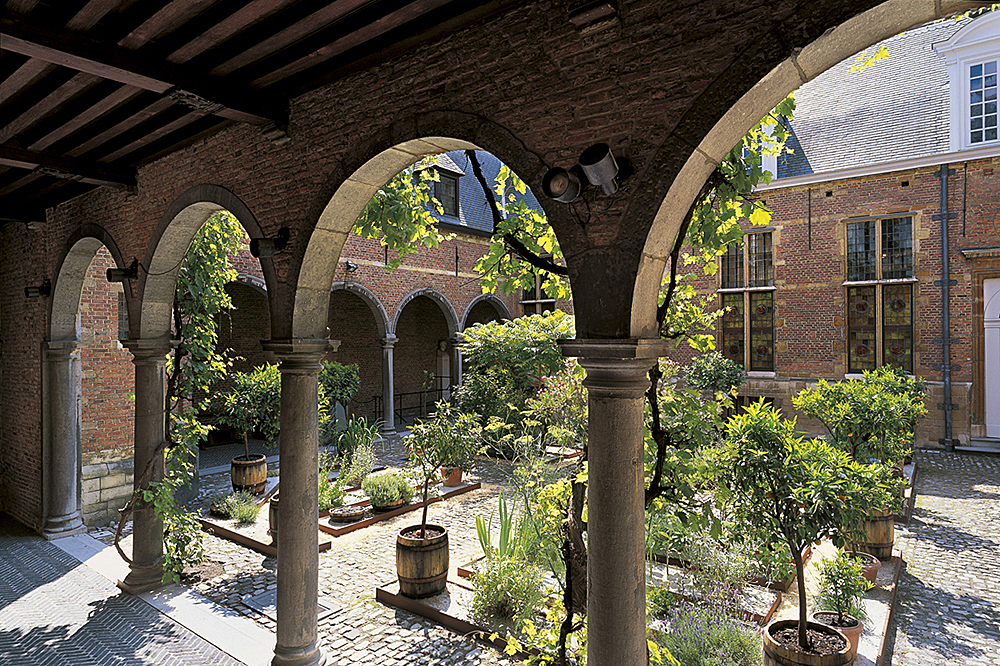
<point>425,327</point>
<point>484,309</point>
<point>357,319</point>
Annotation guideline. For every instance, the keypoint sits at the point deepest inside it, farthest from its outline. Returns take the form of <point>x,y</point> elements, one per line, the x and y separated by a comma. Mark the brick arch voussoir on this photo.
<point>499,305</point>
<point>450,315</point>
<point>80,250</point>
<point>365,168</point>
<point>371,300</point>
<point>174,233</point>
<point>679,169</point>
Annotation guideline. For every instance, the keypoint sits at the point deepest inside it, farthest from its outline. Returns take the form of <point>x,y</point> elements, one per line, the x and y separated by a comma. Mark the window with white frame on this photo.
<point>972,54</point>
<point>747,294</point>
<point>879,293</point>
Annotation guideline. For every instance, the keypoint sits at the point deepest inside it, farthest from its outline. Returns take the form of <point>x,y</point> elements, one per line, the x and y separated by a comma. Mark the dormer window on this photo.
<point>983,101</point>
<point>972,54</point>
<point>446,192</point>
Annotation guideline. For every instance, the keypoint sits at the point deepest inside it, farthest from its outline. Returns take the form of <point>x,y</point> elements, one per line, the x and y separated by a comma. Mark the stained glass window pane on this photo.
<point>761,330</point>
<point>732,267</point>
<point>861,329</point>
<point>732,327</point>
<point>761,260</point>
<point>897,248</point>
<point>897,326</point>
<point>861,262</point>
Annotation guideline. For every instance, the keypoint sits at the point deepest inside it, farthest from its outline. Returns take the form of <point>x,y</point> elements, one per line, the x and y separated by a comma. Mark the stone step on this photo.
<point>988,445</point>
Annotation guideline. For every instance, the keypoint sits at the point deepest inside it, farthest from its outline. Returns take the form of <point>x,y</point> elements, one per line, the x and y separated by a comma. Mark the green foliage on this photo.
<point>714,372</point>
<point>513,537</point>
<point>842,586</point>
<point>560,407</point>
<point>339,382</point>
<point>506,588</point>
<point>387,488</point>
<point>360,463</point>
<point>400,215</point>
<point>798,490</point>
<point>505,363</point>
<point>241,506</point>
<point>874,416</point>
<point>253,404</point>
<point>358,432</point>
<point>331,493</point>
<point>447,440</point>
<point>703,635</point>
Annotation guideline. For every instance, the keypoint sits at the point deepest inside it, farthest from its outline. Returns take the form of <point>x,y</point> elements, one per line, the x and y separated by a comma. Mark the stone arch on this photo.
<point>252,281</point>
<point>499,305</point>
<point>368,167</point>
<point>446,308</point>
<point>174,233</point>
<point>81,248</point>
<point>861,31</point>
<point>371,300</point>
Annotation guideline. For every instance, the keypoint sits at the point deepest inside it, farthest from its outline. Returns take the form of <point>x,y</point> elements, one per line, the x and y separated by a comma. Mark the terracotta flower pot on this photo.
<point>853,633</point>
<point>869,564</point>
<point>452,477</point>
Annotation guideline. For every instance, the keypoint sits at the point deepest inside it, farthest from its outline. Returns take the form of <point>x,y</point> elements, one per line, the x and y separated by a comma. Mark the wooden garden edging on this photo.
<point>385,515</point>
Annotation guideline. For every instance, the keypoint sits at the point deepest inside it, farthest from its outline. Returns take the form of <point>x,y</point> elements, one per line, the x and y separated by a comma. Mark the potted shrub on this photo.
<point>800,491</point>
<point>842,587</point>
<point>447,440</point>
<point>253,404</point>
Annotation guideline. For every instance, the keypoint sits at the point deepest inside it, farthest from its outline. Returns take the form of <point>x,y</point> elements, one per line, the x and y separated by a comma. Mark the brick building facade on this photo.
<point>847,276</point>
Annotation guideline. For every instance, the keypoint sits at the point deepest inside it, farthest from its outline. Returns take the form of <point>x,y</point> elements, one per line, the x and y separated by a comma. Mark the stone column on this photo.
<point>298,539</point>
<point>63,441</point>
<point>388,386</point>
<point>456,361</point>
<point>150,358</point>
<point>616,580</point>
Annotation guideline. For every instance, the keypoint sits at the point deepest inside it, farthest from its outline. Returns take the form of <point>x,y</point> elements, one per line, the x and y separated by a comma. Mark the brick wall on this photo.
<point>108,380</point>
<point>810,267</point>
<point>352,322</point>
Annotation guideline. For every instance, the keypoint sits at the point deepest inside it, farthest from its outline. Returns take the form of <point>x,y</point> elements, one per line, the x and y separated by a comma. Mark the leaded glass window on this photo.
<point>761,330</point>
<point>861,329</point>
<point>760,261</point>
<point>983,102</point>
<point>861,250</point>
<point>732,267</point>
<point>897,326</point>
<point>732,327</point>
<point>748,322</point>
<point>446,192</point>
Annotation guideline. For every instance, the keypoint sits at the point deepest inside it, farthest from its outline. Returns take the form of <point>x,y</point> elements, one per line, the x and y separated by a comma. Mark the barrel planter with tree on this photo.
<point>800,491</point>
<point>449,439</point>
<point>253,405</point>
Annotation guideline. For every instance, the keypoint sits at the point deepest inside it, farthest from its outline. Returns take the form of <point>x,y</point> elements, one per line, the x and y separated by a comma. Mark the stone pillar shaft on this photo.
<point>63,441</point>
<point>388,386</point>
<point>298,538</point>
<point>616,579</point>
<point>150,358</point>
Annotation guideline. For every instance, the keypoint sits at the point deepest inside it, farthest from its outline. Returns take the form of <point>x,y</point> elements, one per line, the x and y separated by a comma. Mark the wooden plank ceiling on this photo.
<point>91,90</point>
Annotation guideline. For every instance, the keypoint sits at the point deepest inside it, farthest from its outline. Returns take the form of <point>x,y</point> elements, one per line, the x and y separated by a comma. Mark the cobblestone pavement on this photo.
<point>948,611</point>
<point>53,610</point>
<point>363,631</point>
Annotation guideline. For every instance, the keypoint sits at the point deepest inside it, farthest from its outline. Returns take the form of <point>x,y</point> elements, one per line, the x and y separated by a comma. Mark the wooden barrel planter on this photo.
<point>422,564</point>
<point>881,530</point>
<point>776,654</point>
<point>272,519</point>
<point>249,473</point>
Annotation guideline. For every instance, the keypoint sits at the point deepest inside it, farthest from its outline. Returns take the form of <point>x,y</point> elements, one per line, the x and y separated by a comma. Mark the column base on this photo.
<point>310,656</point>
<point>388,430</point>
<point>138,582</point>
<point>63,526</point>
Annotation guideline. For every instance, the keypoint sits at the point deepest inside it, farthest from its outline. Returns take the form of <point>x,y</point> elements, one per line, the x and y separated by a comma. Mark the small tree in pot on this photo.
<point>842,587</point>
<point>253,404</point>
<point>798,490</point>
<point>450,439</point>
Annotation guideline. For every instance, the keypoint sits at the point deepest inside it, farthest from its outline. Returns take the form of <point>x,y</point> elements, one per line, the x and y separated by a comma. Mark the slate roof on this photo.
<point>898,109</point>
<point>473,210</point>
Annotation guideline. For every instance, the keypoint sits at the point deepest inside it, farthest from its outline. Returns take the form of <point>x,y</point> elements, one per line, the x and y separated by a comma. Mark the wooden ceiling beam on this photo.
<point>125,66</point>
<point>66,168</point>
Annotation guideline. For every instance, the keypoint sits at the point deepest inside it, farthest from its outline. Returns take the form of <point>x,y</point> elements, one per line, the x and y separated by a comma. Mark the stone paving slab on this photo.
<point>948,610</point>
<point>55,610</point>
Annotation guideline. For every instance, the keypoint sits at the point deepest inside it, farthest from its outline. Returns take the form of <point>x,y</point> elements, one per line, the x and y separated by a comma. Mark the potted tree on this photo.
<point>800,491</point>
<point>842,587</point>
<point>253,404</point>
<point>449,440</point>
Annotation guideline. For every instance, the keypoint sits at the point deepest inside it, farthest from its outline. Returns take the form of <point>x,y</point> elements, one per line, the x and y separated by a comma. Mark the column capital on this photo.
<point>388,341</point>
<point>300,355</point>
<point>56,350</point>
<point>150,349</point>
<point>616,368</point>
